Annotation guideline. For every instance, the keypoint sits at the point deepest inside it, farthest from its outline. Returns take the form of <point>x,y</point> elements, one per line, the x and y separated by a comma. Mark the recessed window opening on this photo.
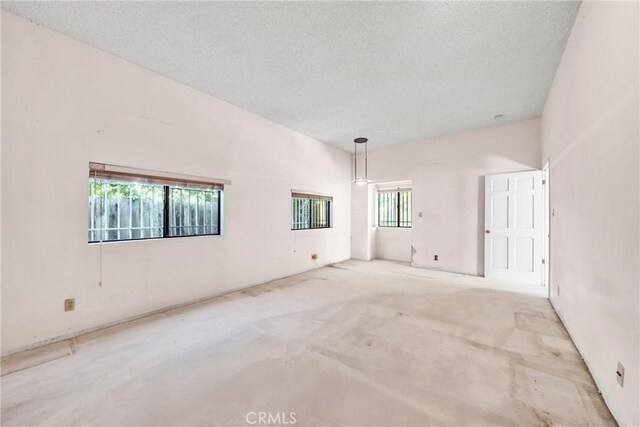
<point>394,208</point>
<point>310,211</point>
<point>130,206</point>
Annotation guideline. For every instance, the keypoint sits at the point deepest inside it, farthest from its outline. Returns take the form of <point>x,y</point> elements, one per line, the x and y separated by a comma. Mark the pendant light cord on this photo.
<point>355,161</point>
<point>366,161</point>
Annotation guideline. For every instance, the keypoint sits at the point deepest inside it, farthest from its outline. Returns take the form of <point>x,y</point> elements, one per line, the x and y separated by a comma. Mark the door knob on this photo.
<point>487,231</point>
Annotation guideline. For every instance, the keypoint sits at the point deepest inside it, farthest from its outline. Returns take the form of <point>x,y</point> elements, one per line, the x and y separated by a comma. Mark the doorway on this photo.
<point>546,239</point>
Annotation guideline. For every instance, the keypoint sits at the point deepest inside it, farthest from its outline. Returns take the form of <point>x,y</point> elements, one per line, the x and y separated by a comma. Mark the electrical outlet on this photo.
<point>620,374</point>
<point>70,304</point>
<point>314,256</point>
<point>558,290</point>
<point>435,258</point>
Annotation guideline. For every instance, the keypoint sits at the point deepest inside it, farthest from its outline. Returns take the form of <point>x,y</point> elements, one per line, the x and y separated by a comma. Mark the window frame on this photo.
<point>166,219</point>
<point>398,216</point>
<point>105,230</point>
<point>131,177</point>
<point>310,198</point>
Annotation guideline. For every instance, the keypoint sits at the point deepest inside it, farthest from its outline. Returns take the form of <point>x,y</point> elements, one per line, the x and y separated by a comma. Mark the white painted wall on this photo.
<point>448,188</point>
<point>363,230</point>
<point>591,135</point>
<point>65,104</point>
<point>394,243</point>
<point>359,222</point>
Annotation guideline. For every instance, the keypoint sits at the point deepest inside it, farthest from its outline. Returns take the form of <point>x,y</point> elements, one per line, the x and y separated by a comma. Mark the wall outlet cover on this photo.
<point>69,304</point>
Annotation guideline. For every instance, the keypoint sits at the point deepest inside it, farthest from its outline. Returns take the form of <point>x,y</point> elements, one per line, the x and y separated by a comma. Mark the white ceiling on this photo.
<point>391,71</point>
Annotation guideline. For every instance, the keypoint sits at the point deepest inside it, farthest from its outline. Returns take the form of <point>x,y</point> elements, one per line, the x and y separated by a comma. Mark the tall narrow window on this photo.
<point>394,208</point>
<point>310,211</point>
<point>132,206</point>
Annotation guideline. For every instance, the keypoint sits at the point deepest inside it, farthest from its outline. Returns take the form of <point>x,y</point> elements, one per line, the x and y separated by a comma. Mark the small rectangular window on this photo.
<point>310,211</point>
<point>126,206</point>
<point>394,208</point>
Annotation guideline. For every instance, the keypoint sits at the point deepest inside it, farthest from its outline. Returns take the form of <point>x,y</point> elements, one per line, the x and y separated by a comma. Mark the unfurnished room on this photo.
<point>320,213</point>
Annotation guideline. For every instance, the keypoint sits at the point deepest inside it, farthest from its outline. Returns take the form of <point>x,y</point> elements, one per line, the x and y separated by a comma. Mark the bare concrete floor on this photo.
<point>365,344</point>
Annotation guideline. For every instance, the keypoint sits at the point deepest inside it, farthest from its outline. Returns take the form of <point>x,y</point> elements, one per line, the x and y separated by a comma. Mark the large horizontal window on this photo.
<point>309,211</point>
<point>130,207</point>
<point>394,208</point>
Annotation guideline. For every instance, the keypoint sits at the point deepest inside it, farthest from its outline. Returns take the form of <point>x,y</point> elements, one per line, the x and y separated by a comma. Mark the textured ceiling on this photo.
<point>394,72</point>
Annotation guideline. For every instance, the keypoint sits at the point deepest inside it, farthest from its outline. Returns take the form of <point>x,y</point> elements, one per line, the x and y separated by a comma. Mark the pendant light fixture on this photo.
<point>360,180</point>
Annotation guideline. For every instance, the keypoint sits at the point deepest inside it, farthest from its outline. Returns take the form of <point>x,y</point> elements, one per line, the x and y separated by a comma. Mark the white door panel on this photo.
<point>513,227</point>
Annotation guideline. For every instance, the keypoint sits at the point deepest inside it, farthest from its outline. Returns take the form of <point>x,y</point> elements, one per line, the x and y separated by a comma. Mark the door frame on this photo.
<point>546,237</point>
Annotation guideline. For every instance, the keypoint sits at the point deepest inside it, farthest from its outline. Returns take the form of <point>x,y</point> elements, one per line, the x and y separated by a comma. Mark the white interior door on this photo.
<point>513,227</point>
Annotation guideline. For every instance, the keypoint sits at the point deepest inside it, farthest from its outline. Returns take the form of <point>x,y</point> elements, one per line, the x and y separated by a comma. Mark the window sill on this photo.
<point>147,239</point>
